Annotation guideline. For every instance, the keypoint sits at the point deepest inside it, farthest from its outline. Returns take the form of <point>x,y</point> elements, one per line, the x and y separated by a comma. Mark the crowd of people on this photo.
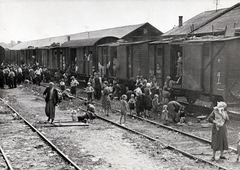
<point>144,98</point>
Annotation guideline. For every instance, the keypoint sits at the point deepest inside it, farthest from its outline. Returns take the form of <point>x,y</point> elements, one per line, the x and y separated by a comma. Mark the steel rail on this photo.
<point>169,128</point>
<point>179,131</point>
<point>43,137</point>
<point>153,139</point>
<point>163,143</point>
<point>6,159</point>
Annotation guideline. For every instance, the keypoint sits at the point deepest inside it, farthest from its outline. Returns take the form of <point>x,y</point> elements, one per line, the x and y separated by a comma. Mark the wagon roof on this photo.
<point>195,39</point>
<point>209,22</point>
<point>118,32</point>
<point>82,42</point>
<point>40,43</point>
<point>124,43</point>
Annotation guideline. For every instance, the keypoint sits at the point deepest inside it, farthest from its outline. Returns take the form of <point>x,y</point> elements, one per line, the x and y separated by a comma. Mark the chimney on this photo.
<point>180,21</point>
<point>68,38</point>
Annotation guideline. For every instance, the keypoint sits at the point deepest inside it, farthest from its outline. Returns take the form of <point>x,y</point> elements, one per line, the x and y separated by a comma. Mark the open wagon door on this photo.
<point>192,71</point>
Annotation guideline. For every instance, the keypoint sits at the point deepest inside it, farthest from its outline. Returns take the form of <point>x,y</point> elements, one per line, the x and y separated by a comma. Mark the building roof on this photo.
<point>209,22</point>
<point>118,32</point>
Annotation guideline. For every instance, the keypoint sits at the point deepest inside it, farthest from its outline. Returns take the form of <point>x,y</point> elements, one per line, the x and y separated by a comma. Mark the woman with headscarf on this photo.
<point>219,117</point>
<point>147,99</point>
<point>51,98</point>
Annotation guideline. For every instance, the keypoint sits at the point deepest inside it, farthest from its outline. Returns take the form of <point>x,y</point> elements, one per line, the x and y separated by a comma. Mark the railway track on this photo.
<point>166,139</point>
<point>28,143</point>
<point>7,164</point>
<point>192,146</point>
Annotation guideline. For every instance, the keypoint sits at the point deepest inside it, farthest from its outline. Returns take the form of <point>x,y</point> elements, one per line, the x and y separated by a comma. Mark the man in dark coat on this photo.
<point>51,99</point>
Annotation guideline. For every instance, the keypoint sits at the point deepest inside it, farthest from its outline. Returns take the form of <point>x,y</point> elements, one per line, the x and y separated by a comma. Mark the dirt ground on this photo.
<point>99,145</point>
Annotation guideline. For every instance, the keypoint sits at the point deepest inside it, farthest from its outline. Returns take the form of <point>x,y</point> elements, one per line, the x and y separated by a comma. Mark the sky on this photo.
<point>24,20</point>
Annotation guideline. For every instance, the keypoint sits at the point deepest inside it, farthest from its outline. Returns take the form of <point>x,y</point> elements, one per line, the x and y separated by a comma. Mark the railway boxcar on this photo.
<point>210,66</point>
<point>124,60</point>
<point>82,54</point>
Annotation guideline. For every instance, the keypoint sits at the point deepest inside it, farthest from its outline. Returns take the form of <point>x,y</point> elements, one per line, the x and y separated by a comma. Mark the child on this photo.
<point>238,147</point>
<point>155,105</point>
<point>165,115</point>
<point>131,103</point>
<point>74,83</point>
<point>124,108</point>
<point>66,94</point>
<point>89,91</point>
<point>219,114</point>
<point>62,85</point>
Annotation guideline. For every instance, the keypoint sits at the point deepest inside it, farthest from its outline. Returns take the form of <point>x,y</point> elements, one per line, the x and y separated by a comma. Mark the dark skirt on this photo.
<point>50,109</point>
<point>62,88</point>
<point>131,106</point>
<point>219,138</point>
<point>73,90</point>
<point>139,104</point>
<point>148,102</point>
<point>106,102</point>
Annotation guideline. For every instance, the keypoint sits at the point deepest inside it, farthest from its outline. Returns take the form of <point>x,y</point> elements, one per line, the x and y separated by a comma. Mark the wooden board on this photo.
<point>70,124</point>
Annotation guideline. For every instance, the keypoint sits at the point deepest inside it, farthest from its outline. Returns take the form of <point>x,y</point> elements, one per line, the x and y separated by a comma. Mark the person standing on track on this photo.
<point>74,83</point>
<point>219,133</point>
<point>51,98</point>
<point>97,86</point>
<point>106,104</point>
<point>124,109</point>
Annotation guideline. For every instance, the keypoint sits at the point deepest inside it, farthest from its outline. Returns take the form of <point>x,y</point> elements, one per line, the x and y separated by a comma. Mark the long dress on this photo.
<point>106,99</point>
<point>219,137</point>
<point>147,99</point>
<point>51,102</point>
<point>97,88</point>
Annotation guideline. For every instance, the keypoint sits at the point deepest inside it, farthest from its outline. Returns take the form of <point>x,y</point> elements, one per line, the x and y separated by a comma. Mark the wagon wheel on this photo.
<point>235,89</point>
<point>191,97</point>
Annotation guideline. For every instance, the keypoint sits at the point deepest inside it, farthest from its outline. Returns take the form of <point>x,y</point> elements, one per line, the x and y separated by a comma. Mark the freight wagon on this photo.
<point>210,66</point>
<point>124,60</point>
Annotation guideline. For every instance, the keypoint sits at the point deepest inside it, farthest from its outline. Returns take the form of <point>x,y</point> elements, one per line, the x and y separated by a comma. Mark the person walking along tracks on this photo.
<point>51,99</point>
<point>219,117</point>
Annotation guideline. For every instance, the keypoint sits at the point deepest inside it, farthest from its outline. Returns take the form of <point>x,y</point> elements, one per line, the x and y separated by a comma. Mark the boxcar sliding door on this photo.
<point>192,67</point>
